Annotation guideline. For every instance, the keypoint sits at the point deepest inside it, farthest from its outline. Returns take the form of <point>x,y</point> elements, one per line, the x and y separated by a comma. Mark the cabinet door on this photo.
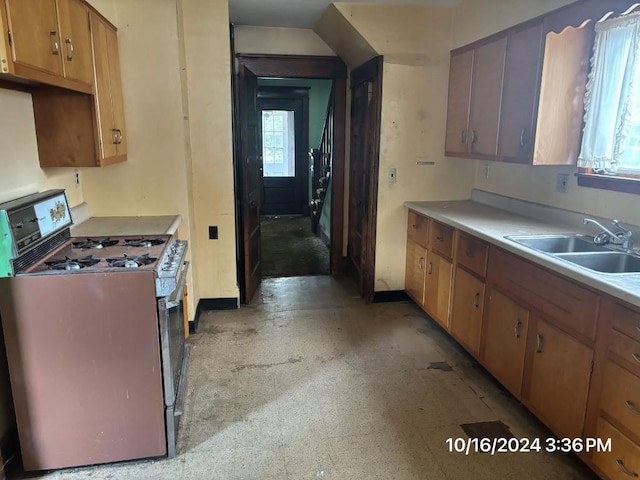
<point>108,92</point>
<point>559,382</point>
<point>523,64</point>
<point>466,316</point>
<point>75,40</point>
<point>117,100</point>
<point>505,340</point>
<point>438,288</point>
<point>415,270</point>
<point>35,36</point>
<point>458,103</point>
<point>486,93</point>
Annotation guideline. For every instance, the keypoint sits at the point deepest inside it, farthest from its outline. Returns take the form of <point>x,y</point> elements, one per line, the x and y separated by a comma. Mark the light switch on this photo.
<point>392,174</point>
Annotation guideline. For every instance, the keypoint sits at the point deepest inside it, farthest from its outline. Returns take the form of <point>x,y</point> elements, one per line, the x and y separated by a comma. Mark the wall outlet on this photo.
<point>486,170</point>
<point>562,180</point>
<point>76,177</point>
<point>213,233</point>
<point>392,175</point>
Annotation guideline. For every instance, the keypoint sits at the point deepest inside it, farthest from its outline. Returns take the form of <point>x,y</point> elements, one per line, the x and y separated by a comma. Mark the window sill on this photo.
<point>610,182</point>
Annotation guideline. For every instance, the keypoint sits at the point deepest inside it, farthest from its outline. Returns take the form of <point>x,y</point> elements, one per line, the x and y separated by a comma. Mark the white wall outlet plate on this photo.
<point>392,175</point>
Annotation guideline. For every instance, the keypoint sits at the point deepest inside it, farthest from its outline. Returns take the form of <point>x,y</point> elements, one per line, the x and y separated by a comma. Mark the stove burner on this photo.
<point>90,243</point>
<point>143,242</point>
<point>131,262</point>
<point>69,264</point>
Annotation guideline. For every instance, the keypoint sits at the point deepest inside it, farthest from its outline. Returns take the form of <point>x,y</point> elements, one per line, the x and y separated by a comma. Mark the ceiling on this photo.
<point>298,13</point>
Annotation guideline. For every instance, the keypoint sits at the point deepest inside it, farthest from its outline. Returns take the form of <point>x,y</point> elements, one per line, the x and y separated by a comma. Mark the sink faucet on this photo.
<point>623,237</point>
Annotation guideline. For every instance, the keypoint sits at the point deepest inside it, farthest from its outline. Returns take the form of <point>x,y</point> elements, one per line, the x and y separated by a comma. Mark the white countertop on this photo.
<point>122,226</point>
<point>493,224</point>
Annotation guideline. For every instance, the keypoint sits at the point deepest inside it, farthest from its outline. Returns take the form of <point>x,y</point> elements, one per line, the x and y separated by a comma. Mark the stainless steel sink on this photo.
<point>558,243</point>
<point>605,262</point>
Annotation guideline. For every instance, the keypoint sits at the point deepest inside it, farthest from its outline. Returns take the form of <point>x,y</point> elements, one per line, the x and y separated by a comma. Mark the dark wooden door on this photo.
<point>284,182</point>
<point>366,96</point>
<point>250,181</point>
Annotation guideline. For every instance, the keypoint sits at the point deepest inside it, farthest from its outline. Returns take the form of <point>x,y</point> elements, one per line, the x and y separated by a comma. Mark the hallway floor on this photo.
<point>312,383</point>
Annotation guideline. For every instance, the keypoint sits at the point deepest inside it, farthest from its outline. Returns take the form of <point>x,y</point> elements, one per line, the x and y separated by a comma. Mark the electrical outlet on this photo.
<point>486,170</point>
<point>76,176</point>
<point>392,174</point>
<point>562,180</point>
<point>213,233</point>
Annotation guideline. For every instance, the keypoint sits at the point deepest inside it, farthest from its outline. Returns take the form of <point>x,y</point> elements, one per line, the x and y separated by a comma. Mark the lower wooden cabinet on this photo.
<point>560,369</point>
<point>438,288</point>
<point>506,324</point>
<point>623,460</point>
<point>570,353</point>
<point>415,271</point>
<point>466,316</point>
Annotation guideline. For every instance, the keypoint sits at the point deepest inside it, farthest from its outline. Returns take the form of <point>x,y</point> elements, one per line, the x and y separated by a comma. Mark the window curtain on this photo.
<point>612,100</point>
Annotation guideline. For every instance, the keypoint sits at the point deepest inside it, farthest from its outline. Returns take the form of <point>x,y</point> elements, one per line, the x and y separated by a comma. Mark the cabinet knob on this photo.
<point>55,45</point>
<point>539,341</point>
<point>421,263</point>
<point>70,49</point>
<point>524,141</point>
<point>469,253</point>
<point>636,357</point>
<point>624,469</point>
<point>476,300</point>
<point>629,404</point>
<point>463,137</point>
<point>474,137</point>
<point>440,238</point>
<point>430,269</point>
<point>516,328</point>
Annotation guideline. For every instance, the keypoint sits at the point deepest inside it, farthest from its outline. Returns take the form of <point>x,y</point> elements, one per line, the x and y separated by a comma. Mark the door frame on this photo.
<point>317,67</point>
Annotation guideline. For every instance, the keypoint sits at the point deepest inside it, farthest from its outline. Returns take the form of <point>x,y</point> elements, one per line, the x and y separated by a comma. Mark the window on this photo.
<point>610,153</point>
<point>278,143</point>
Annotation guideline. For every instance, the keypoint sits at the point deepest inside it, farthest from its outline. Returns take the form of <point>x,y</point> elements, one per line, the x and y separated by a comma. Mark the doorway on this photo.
<point>284,130</point>
<point>250,70</point>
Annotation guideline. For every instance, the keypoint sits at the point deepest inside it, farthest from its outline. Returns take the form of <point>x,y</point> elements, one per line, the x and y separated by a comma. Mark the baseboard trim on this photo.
<point>209,304</point>
<point>390,296</point>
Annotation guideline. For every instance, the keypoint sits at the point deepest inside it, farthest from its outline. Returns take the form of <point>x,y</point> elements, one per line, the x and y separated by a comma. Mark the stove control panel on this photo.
<point>170,266</point>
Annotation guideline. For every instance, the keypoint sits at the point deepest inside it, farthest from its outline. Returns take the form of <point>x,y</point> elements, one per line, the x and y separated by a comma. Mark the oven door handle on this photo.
<point>175,298</point>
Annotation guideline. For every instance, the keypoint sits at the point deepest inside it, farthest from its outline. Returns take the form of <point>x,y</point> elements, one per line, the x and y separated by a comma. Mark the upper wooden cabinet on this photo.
<point>108,95</point>
<point>518,95</point>
<point>520,91</point>
<point>47,41</point>
<point>475,86</point>
<point>74,129</point>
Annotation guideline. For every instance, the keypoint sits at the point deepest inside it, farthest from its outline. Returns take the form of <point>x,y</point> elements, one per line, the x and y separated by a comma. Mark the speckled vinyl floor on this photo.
<point>312,383</point>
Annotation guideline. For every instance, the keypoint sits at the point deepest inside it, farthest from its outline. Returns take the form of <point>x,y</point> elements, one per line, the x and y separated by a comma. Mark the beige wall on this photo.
<point>207,54</point>
<point>280,41</point>
<point>415,43</point>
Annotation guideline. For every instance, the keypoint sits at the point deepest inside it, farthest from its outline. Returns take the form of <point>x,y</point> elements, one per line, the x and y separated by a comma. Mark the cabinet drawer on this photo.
<point>626,348</point>
<point>441,238</point>
<point>621,396</point>
<point>625,320</point>
<point>472,253</point>
<point>418,228</point>
<point>623,461</point>
<point>563,301</point>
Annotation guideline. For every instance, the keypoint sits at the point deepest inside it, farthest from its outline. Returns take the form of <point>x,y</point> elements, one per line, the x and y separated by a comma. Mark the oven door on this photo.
<point>174,356</point>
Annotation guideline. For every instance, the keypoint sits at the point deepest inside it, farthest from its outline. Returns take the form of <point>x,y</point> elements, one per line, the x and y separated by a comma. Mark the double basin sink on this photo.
<point>580,250</point>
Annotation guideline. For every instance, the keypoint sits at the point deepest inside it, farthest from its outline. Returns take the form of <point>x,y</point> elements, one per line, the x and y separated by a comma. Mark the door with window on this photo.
<point>285,171</point>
